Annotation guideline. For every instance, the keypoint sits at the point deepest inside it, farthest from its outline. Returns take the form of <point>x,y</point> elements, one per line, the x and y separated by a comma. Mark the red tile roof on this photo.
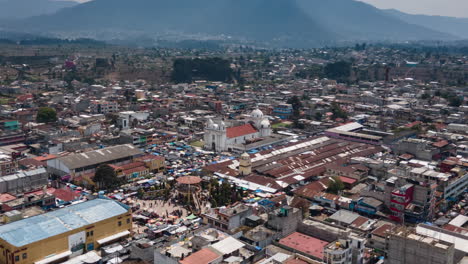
<point>415,123</point>
<point>133,170</point>
<point>31,162</point>
<point>440,144</point>
<point>239,131</point>
<point>132,165</point>
<point>313,188</point>
<point>306,244</point>
<point>203,256</point>
<point>189,180</point>
<point>382,230</point>
<point>46,157</point>
<point>295,261</point>
<point>6,197</point>
<point>66,195</point>
<point>456,229</point>
<point>359,222</point>
<point>347,180</point>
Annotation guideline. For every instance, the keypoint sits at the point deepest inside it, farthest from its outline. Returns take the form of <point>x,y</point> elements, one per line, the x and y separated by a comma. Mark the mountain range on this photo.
<point>452,25</point>
<point>14,9</point>
<point>294,23</point>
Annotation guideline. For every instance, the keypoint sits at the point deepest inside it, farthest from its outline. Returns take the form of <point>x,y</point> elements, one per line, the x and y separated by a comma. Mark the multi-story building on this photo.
<point>153,163</point>
<point>8,166</point>
<point>65,233</point>
<point>400,199</point>
<point>420,148</point>
<point>131,171</point>
<point>345,251</point>
<point>284,220</point>
<point>23,181</point>
<point>139,138</point>
<point>11,137</point>
<point>103,107</point>
<point>284,111</point>
<point>229,218</point>
<point>422,205</point>
<point>406,247</point>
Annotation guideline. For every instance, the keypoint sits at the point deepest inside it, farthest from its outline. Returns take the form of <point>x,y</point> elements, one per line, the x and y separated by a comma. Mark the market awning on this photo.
<point>54,258</point>
<point>113,237</point>
<point>191,217</point>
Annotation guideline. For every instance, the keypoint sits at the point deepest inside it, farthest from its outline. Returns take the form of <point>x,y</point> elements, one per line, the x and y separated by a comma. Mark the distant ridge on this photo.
<point>16,9</point>
<point>293,23</point>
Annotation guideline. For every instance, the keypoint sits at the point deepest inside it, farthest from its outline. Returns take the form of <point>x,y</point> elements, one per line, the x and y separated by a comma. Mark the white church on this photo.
<point>220,138</point>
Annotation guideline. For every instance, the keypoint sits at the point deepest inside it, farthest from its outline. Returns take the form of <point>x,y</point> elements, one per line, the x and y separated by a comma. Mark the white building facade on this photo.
<point>220,138</point>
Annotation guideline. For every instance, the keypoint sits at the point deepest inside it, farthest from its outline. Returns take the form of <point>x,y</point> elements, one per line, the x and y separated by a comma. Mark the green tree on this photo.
<point>338,112</point>
<point>296,104</point>
<point>340,71</point>
<point>106,178</point>
<point>212,69</point>
<point>455,101</point>
<point>425,96</point>
<point>46,115</point>
<point>335,185</point>
<point>318,116</point>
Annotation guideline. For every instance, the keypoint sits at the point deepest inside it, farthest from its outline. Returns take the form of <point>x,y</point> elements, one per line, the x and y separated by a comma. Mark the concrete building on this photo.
<point>228,219</point>
<point>407,247</point>
<point>420,148</point>
<point>345,251</point>
<point>103,107</point>
<point>65,233</point>
<point>82,163</point>
<point>23,181</point>
<point>284,220</point>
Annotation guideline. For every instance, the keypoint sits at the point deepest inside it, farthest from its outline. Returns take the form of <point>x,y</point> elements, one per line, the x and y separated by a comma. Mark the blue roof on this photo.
<point>50,224</point>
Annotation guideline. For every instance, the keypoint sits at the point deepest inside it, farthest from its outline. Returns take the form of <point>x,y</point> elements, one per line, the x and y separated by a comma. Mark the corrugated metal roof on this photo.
<point>228,245</point>
<point>344,216</point>
<point>99,156</point>
<point>50,224</point>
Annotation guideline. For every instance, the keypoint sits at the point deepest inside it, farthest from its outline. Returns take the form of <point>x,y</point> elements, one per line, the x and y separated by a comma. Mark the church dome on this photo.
<point>257,113</point>
<point>245,155</point>
<point>265,123</point>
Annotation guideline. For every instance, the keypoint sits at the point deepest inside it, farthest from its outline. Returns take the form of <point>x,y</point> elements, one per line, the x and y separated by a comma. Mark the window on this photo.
<point>91,233</point>
<point>128,220</point>
<point>120,223</point>
<point>25,255</point>
<point>87,234</point>
<point>17,258</point>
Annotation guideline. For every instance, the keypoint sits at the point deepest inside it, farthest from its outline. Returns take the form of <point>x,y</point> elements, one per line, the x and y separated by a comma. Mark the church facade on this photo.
<point>220,138</point>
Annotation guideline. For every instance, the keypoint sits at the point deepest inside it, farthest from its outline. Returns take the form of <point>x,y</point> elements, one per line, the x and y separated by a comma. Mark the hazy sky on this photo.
<point>457,8</point>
